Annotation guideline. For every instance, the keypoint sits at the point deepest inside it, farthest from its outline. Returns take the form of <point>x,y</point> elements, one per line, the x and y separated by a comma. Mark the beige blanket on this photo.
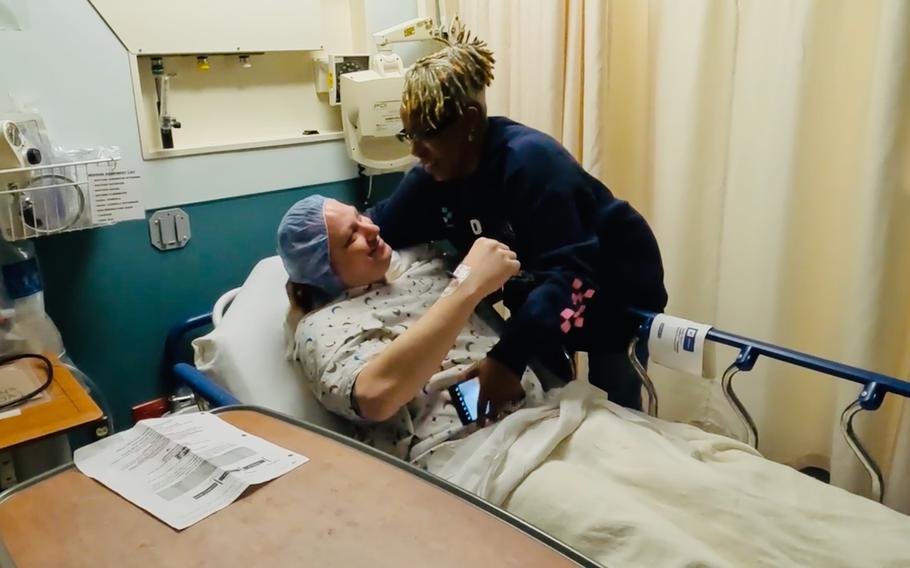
<point>630,490</point>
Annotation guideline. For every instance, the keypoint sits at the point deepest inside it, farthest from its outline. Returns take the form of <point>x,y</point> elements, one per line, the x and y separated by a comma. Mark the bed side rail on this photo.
<point>874,386</point>
<point>203,386</point>
<point>178,374</point>
<point>175,342</point>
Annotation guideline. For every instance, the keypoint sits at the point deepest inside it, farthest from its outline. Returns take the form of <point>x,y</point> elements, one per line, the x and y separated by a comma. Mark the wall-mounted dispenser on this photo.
<point>45,190</point>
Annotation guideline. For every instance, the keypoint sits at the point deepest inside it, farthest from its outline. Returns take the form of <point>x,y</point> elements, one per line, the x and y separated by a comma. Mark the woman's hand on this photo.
<point>491,264</point>
<point>499,387</point>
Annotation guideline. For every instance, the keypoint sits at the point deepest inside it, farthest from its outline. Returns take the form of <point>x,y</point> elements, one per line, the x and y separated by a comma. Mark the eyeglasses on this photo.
<point>428,134</point>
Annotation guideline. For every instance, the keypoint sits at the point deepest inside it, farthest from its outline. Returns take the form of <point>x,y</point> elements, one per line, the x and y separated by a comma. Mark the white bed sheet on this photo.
<point>245,353</point>
<point>630,490</point>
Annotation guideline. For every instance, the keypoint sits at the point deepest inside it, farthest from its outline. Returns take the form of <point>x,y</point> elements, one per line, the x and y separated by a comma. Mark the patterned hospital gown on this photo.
<point>335,342</point>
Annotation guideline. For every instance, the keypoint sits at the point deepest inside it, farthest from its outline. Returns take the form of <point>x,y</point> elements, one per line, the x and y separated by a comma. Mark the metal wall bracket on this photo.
<point>169,229</point>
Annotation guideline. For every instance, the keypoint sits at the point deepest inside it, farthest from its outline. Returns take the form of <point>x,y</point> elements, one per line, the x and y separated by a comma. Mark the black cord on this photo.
<point>49,371</point>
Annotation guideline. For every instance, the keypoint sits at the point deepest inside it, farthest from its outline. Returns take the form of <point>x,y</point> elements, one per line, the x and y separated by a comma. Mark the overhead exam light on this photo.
<point>371,100</point>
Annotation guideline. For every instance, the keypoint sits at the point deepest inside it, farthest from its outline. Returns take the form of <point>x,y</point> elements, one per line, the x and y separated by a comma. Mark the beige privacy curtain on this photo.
<point>768,143</point>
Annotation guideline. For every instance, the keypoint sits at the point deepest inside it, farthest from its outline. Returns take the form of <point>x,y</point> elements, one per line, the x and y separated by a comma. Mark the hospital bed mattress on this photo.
<point>245,352</point>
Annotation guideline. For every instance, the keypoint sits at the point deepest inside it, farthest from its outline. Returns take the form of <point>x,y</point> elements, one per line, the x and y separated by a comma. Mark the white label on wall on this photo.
<point>114,194</point>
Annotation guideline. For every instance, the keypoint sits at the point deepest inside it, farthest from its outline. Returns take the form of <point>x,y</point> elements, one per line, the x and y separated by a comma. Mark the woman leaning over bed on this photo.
<point>586,254</point>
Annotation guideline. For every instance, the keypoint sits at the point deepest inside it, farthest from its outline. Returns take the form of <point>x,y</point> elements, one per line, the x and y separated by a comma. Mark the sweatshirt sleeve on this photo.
<point>553,219</point>
<point>411,215</point>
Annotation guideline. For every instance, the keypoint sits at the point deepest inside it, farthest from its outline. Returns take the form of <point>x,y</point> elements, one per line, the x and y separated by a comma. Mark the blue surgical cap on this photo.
<point>303,244</point>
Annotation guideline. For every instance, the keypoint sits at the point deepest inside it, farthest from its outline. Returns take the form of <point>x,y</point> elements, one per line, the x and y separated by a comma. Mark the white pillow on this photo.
<point>246,352</point>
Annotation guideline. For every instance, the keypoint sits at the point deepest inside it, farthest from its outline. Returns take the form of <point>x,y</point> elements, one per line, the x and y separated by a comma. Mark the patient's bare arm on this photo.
<point>396,375</point>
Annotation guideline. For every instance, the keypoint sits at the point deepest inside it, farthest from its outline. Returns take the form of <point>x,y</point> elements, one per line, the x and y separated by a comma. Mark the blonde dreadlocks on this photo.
<point>439,86</point>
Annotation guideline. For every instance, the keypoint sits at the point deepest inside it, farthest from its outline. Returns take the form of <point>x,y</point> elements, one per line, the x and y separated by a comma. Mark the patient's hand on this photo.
<point>491,264</point>
<point>499,387</point>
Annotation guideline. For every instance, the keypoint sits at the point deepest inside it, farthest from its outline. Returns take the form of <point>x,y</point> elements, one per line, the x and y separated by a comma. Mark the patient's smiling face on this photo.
<point>359,256</point>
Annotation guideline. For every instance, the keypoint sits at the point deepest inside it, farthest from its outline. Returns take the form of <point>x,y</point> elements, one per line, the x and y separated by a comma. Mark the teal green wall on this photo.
<point>114,297</point>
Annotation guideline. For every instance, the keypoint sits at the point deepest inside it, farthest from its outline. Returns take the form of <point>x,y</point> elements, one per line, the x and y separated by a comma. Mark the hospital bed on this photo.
<point>242,361</point>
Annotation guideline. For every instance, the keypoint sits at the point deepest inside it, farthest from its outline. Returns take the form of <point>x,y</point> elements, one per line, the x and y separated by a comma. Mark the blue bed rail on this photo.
<point>178,372</point>
<point>203,386</point>
<point>175,341</point>
<point>875,385</point>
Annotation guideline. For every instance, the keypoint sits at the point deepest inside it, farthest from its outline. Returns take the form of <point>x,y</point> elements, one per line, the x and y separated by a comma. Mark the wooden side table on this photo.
<point>35,438</point>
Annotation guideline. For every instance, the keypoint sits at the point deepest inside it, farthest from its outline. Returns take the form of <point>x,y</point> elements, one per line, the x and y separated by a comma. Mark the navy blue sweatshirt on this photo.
<point>588,254</point>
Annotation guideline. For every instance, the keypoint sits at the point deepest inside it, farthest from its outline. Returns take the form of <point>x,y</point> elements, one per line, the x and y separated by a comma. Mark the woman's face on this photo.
<point>446,153</point>
<point>358,255</point>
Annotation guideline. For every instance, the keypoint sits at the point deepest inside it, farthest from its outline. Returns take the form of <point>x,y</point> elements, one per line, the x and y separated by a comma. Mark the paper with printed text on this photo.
<point>183,468</point>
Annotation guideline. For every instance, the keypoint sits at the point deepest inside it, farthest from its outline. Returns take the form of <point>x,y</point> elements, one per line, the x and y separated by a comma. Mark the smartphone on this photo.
<point>465,396</point>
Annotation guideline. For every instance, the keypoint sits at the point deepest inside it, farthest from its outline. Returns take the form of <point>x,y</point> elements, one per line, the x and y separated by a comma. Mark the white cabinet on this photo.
<point>168,27</point>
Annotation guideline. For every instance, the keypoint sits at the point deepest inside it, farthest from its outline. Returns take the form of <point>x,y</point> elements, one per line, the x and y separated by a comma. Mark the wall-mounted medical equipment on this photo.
<point>166,122</point>
<point>330,68</point>
<point>43,190</point>
<point>253,100</point>
<point>371,99</point>
<point>229,74</point>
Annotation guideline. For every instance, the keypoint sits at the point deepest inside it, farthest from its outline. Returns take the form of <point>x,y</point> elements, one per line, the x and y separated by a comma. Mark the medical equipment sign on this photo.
<point>114,194</point>
<point>680,344</point>
<point>184,468</point>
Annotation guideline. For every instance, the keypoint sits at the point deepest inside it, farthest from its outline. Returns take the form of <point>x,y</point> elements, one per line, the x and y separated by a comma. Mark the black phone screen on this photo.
<point>465,396</point>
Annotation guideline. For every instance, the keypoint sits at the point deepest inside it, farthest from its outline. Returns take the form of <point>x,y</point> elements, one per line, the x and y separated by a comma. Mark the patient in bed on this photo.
<point>382,334</point>
<point>387,332</point>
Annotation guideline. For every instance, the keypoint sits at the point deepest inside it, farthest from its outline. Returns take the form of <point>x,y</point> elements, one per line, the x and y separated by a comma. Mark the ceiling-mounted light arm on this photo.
<point>417,29</point>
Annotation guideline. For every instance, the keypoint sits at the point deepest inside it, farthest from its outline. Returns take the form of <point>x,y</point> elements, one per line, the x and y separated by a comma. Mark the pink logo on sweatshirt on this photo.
<point>573,317</point>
